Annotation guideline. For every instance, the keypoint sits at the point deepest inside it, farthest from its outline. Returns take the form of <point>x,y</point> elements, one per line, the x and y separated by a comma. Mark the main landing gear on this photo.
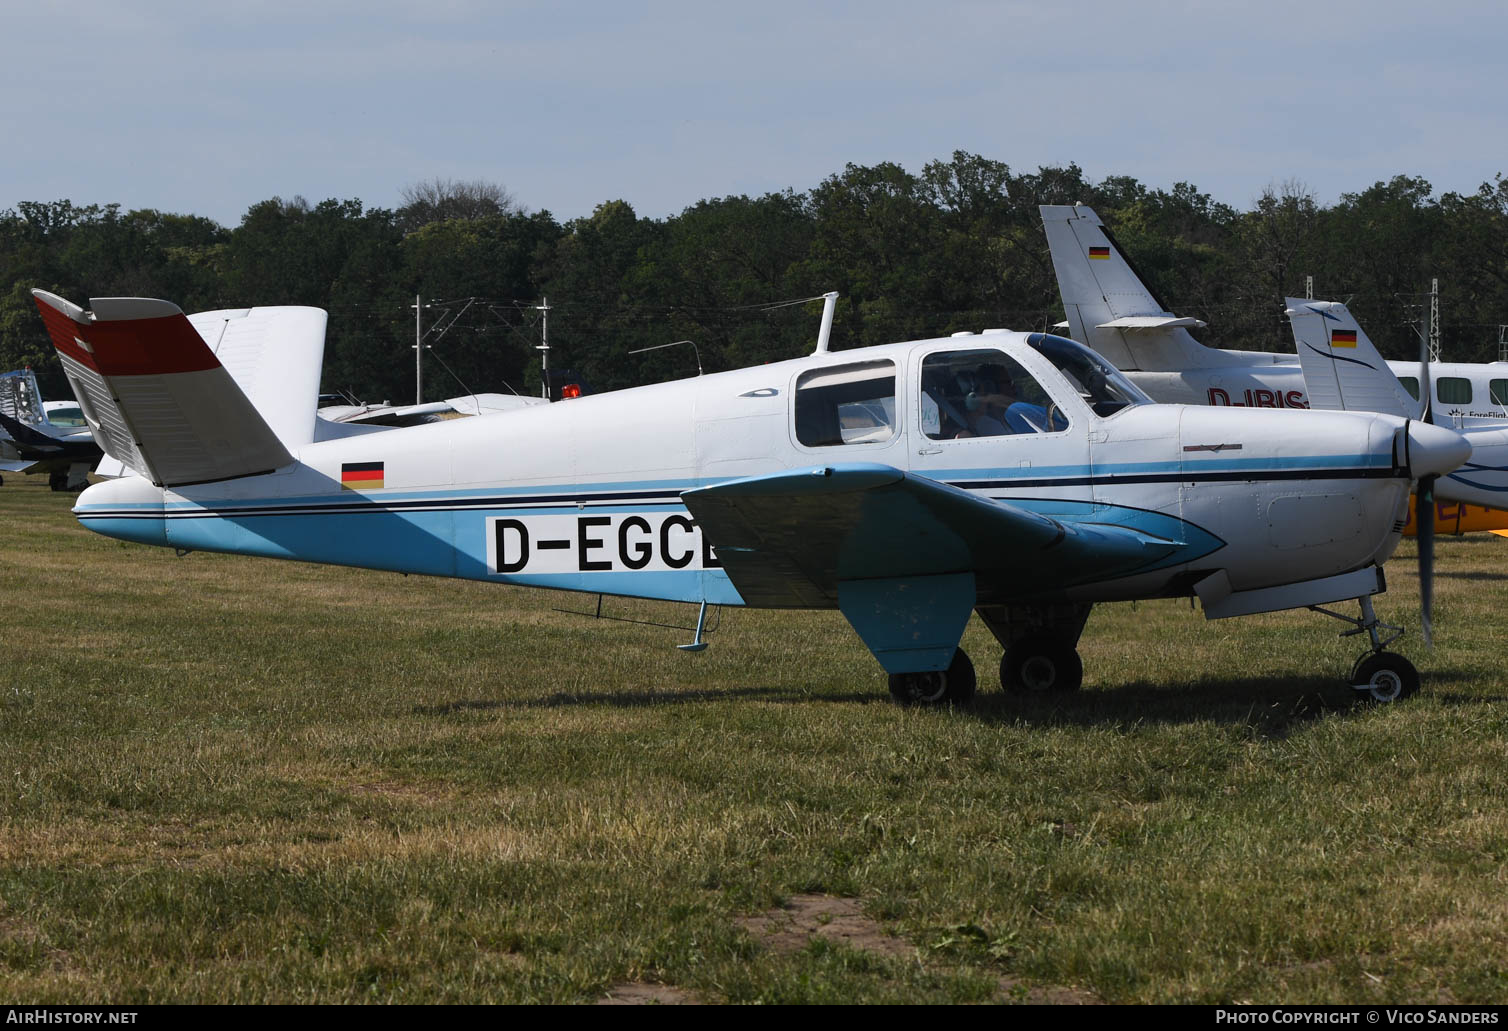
<point>1041,665</point>
<point>953,685</point>
<point>1380,675</point>
<point>1033,665</point>
<point>1040,657</point>
<point>1040,644</point>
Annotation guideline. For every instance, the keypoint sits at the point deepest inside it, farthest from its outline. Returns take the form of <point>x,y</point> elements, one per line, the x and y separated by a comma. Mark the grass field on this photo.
<point>238,780</point>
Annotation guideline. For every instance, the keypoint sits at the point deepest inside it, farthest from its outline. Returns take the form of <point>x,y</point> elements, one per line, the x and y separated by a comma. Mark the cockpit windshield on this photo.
<point>1104,388</point>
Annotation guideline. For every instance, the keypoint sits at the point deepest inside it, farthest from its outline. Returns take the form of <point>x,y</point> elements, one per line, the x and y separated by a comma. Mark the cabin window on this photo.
<point>69,416</point>
<point>1411,384</point>
<point>846,404</point>
<point>1453,390</point>
<point>983,393</point>
<point>1498,390</point>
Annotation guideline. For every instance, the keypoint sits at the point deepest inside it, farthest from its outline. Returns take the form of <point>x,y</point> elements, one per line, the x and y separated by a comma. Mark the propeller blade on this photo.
<point>1424,509</point>
<point>1426,396</point>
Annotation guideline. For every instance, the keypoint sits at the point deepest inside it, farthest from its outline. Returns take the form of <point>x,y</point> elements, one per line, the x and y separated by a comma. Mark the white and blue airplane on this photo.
<point>1019,476</point>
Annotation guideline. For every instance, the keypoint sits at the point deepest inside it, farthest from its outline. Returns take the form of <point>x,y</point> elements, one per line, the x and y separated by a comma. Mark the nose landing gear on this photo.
<point>1379,676</point>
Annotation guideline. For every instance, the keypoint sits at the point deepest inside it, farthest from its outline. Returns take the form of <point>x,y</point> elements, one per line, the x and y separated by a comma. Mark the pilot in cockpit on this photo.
<point>986,394</point>
<point>962,399</point>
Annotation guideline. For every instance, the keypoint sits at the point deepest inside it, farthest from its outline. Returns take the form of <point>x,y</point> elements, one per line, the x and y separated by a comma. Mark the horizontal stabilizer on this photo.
<point>1152,323</point>
<point>154,393</point>
<point>787,540</point>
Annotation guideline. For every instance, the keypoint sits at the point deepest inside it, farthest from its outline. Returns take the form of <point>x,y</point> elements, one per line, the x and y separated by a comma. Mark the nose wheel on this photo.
<point>1384,677</point>
<point>1379,676</point>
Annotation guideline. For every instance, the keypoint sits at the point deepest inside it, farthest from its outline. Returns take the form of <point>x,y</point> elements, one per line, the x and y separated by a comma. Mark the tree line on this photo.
<point>958,246</point>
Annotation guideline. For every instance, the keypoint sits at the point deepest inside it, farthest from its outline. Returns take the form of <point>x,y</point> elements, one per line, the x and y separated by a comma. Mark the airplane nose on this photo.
<point>1434,450</point>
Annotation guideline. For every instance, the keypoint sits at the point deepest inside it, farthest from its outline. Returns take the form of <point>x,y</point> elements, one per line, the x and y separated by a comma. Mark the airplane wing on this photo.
<point>788,539</point>
<point>154,393</point>
<point>1342,370</point>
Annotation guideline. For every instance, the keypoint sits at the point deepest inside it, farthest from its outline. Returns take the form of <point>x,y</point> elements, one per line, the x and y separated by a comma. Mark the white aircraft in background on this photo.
<point>386,414</point>
<point>39,436</point>
<point>906,485</point>
<point>1111,309</point>
<point>1344,372</point>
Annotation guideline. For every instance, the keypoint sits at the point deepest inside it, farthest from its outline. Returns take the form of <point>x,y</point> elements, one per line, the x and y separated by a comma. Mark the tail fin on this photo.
<point>1109,307</point>
<point>1342,370</point>
<point>20,399</point>
<point>274,354</point>
<point>155,395</point>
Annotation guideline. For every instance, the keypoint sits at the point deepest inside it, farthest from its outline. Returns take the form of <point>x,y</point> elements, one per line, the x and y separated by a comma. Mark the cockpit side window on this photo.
<point>846,404</point>
<point>983,393</point>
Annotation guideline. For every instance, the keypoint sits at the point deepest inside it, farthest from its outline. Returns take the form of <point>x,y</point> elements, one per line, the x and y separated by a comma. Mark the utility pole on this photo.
<point>418,352</point>
<point>543,347</point>
<point>1434,320</point>
<point>1503,343</point>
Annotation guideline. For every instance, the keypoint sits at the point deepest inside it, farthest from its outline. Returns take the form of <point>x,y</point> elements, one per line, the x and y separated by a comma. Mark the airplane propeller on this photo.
<point>1424,508</point>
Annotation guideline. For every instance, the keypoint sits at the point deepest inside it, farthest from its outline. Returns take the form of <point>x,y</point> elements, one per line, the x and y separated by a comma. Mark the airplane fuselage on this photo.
<point>586,494</point>
<point>1481,388</point>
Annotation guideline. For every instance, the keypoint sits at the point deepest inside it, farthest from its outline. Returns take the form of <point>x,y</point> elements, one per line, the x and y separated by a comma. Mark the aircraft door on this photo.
<point>985,421</point>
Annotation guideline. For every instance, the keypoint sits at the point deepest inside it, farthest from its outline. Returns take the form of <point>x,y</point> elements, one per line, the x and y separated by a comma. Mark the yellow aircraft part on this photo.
<point>1454,518</point>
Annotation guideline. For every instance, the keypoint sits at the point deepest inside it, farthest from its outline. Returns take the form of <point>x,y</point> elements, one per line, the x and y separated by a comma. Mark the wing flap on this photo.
<point>787,540</point>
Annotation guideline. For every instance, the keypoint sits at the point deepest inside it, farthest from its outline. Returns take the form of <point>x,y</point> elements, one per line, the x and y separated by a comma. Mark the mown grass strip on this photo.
<point>203,799</point>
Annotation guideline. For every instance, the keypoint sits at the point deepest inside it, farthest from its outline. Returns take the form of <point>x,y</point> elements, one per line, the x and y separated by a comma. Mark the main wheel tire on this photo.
<point>951,686</point>
<point>1041,666</point>
<point>1385,677</point>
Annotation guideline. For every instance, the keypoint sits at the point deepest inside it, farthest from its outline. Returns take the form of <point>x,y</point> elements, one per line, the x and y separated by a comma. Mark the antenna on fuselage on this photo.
<point>829,303</point>
<point>674,343</point>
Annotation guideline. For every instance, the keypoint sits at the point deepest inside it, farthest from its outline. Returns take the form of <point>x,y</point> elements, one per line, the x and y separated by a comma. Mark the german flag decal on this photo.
<point>361,475</point>
<point>1099,254</point>
<point>1343,338</point>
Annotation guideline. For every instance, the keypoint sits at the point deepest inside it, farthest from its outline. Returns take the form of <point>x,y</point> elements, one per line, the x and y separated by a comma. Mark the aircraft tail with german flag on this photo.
<point>1109,305</point>
<point>1343,371</point>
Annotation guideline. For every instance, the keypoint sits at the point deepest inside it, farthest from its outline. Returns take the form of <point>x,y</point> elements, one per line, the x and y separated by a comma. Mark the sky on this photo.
<point>208,109</point>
